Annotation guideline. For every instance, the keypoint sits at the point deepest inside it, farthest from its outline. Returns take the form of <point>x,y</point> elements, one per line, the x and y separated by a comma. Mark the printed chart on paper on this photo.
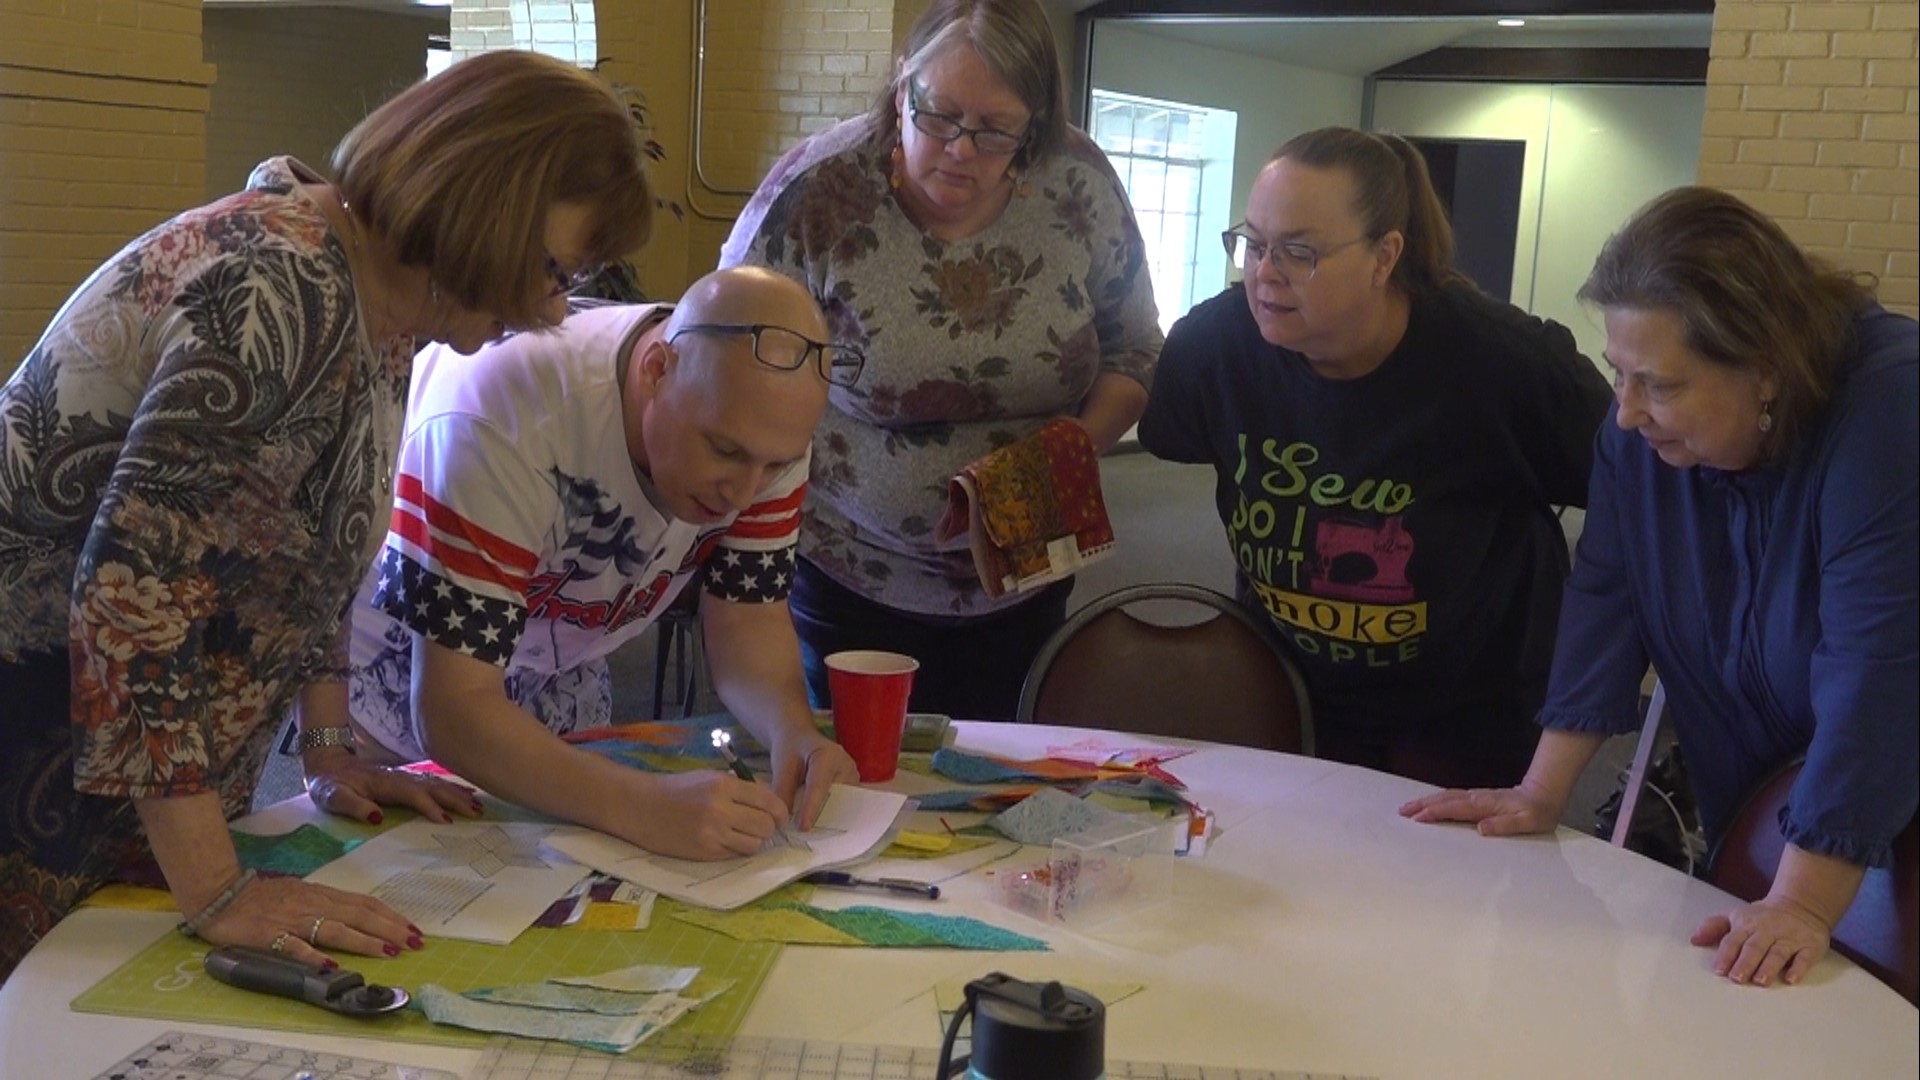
<point>746,1058</point>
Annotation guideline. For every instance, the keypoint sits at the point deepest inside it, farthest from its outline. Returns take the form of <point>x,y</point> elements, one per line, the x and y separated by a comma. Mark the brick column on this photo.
<point>1812,117</point>
<point>102,135</point>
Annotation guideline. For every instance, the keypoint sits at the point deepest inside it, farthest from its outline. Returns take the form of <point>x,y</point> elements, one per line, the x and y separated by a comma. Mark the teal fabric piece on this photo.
<point>299,853</point>
<point>974,769</point>
<point>912,930</point>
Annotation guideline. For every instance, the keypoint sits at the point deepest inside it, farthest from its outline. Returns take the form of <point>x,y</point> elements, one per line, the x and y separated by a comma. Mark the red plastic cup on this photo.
<point>869,692</point>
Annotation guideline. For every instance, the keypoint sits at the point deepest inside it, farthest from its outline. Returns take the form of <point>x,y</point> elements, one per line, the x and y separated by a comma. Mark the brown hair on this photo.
<point>1014,39</point>
<point>458,171</point>
<point>1746,294</point>
<point>1392,193</point>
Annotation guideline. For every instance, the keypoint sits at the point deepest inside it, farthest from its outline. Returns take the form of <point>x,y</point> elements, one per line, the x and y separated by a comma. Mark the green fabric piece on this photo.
<point>891,929</point>
<point>299,853</point>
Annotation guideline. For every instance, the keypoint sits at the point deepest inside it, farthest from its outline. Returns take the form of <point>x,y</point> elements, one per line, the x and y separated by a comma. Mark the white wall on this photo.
<point>1594,155</point>
<point>1274,102</point>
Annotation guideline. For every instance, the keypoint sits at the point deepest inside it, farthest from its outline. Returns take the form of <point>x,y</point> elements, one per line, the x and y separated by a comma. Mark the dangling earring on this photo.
<point>1766,417</point>
<point>1022,187</point>
<point>896,174</point>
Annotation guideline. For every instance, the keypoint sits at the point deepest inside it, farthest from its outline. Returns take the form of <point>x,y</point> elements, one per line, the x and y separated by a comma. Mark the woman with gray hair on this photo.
<point>1751,531</point>
<point>982,253</point>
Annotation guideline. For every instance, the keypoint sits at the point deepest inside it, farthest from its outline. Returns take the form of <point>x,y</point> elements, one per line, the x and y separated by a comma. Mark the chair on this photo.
<point>1880,932</point>
<point>1223,679</point>
<point>678,643</point>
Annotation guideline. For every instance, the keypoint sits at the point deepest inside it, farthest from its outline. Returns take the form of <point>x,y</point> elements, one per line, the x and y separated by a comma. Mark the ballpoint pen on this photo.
<point>840,879</point>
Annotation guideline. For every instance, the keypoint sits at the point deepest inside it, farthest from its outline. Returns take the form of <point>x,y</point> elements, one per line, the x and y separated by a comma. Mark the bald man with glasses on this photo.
<point>556,492</point>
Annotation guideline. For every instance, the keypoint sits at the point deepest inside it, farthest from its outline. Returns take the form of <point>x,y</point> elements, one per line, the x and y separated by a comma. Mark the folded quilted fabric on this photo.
<point>1033,511</point>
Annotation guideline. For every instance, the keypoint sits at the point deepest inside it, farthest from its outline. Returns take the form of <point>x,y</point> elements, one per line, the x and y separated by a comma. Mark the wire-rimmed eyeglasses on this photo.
<point>1292,259</point>
<point>785,350</point>
<point>990,141</point>
<point>563,282</point>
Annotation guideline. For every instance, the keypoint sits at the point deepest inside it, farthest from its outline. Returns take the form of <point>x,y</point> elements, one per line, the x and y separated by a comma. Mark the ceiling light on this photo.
<point>1510,22</point>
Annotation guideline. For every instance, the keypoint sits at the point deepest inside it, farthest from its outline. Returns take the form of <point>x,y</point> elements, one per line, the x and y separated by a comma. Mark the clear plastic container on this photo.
<point>1113,869</point>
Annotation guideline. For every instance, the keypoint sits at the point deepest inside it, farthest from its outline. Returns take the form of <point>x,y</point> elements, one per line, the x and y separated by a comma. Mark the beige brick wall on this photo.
<point>102,135</point>
<point>1813,116</point>
<point>293,80</point>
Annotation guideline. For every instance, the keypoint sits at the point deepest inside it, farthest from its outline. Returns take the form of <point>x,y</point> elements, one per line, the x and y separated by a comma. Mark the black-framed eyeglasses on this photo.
<point>563,282</point>
<point>990,141</point>
<point>1291,259</point>
<point>785,350</point>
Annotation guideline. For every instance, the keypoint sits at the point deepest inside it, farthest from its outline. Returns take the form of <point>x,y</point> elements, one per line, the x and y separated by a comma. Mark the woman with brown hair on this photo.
<point>196,462</point>
<point>982,254</point>
<point>1752,533</point>
<point>1389,445</point>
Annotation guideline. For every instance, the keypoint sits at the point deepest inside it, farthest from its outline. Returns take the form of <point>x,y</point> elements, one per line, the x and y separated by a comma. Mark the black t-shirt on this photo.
<point>1397,528</point>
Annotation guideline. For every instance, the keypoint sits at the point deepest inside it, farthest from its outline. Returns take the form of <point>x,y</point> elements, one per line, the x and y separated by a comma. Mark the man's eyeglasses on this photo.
<point>1291,259</point>
<point>991,141</point>
<point>785,350</point>
<point>563,282</point>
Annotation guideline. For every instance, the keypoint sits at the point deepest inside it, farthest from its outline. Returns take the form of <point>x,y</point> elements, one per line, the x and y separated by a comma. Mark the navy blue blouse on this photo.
<point>1780,606</point>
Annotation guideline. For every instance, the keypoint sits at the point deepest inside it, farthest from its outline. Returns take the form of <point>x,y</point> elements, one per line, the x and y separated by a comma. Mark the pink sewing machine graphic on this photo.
<point>1362,562</point>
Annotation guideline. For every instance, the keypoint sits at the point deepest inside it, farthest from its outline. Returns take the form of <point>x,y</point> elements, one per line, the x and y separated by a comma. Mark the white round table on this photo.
<point>1320,932</point>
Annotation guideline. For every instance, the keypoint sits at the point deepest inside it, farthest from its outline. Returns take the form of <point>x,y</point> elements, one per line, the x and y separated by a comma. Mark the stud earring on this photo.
<point>1766,417</point>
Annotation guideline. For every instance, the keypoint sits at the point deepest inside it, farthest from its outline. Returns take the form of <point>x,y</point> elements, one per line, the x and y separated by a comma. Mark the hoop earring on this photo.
<point>1766,417</point>
<point>896,174</point>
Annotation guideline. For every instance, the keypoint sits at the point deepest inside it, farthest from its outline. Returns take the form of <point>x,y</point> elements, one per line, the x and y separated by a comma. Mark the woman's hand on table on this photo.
<point>343,784</point>
<point>1769,939</point>
<point>805,768</point>
<point>1510,811</point>
<point>304,922</point>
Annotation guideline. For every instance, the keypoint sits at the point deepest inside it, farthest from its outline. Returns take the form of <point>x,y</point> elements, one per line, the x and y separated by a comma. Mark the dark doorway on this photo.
<point>1478,181</point>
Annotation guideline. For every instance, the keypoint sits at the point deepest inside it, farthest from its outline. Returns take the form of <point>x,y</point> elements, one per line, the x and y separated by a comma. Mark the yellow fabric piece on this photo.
<point>756,924</point>
<point>608,916</point>
<point>903,848</point>
<point>131,898</point>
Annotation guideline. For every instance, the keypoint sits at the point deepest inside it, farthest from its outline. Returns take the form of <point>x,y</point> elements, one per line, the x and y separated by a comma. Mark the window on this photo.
<point>1176,162</point>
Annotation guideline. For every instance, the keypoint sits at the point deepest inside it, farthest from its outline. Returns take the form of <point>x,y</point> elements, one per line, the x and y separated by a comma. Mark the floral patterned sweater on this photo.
<point>970,345</point>
<point>193,464</point>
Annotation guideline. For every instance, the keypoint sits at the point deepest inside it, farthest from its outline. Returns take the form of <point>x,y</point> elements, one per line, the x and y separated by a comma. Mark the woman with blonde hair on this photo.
<point>1752,531</point>
<point>982,254</point>
<point>197,454</point>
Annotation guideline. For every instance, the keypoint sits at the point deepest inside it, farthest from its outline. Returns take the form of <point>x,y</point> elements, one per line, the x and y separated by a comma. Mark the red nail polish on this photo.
<point>390,950</point>
<point>375,818</point>
<point>329,964</point>
<point>415,943</point>
<point>415,930</point>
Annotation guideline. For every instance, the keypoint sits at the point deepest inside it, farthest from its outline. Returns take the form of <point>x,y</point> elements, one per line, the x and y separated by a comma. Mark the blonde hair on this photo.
<point>1746,294</point>
<point>458,172</point>
<point>1392,193</point>
<point>1014,39</point>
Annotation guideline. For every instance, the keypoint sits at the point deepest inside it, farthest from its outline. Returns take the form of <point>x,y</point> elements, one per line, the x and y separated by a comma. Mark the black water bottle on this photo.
<point>1028,1031</point>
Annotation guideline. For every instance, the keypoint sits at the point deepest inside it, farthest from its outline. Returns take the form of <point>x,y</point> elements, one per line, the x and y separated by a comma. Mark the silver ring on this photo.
<point>313,934</point>
<point>280,941</point>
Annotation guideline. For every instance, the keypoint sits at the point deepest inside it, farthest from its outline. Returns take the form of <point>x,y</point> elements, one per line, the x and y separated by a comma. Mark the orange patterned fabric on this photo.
<point>1033,510</point>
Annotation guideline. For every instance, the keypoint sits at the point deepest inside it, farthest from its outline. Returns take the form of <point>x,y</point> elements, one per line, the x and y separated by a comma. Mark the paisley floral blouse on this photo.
<point>193,464</point>
<point>970,345</point>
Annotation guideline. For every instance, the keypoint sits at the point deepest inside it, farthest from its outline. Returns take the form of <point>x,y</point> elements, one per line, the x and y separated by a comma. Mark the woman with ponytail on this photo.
<point>1389,444</point>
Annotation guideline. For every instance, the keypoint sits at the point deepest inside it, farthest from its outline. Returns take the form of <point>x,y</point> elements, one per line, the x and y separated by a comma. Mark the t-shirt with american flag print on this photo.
<point>522,534</point>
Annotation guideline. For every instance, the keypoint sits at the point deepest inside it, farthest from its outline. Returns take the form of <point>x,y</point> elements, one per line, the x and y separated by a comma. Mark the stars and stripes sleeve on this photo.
<point>753,562</point>
<point>461,545</point>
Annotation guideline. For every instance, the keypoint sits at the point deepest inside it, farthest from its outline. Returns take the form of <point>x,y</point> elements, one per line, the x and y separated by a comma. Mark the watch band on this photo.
<point>315,738</point>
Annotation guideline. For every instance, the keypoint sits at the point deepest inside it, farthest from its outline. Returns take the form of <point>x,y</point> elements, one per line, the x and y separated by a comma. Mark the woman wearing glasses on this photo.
<point>1389,444</point>
<point>983,254</point>
<point>556,492</point>
<point>198,455</point>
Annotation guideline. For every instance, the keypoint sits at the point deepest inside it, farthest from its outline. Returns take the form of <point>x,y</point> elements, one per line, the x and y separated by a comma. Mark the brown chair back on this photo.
<point>1880,932</point>
<point>1221,680</point>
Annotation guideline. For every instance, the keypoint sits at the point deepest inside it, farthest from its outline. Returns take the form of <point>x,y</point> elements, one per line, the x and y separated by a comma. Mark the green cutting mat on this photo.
<point>167,981</point>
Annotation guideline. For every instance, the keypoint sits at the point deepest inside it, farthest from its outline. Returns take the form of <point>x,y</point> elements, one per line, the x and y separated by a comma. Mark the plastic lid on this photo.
<point>1027,1031</point>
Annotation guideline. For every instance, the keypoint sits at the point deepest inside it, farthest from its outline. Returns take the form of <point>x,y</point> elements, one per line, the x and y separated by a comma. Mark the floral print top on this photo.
<point>970,345</point>
<point>193,472</point>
